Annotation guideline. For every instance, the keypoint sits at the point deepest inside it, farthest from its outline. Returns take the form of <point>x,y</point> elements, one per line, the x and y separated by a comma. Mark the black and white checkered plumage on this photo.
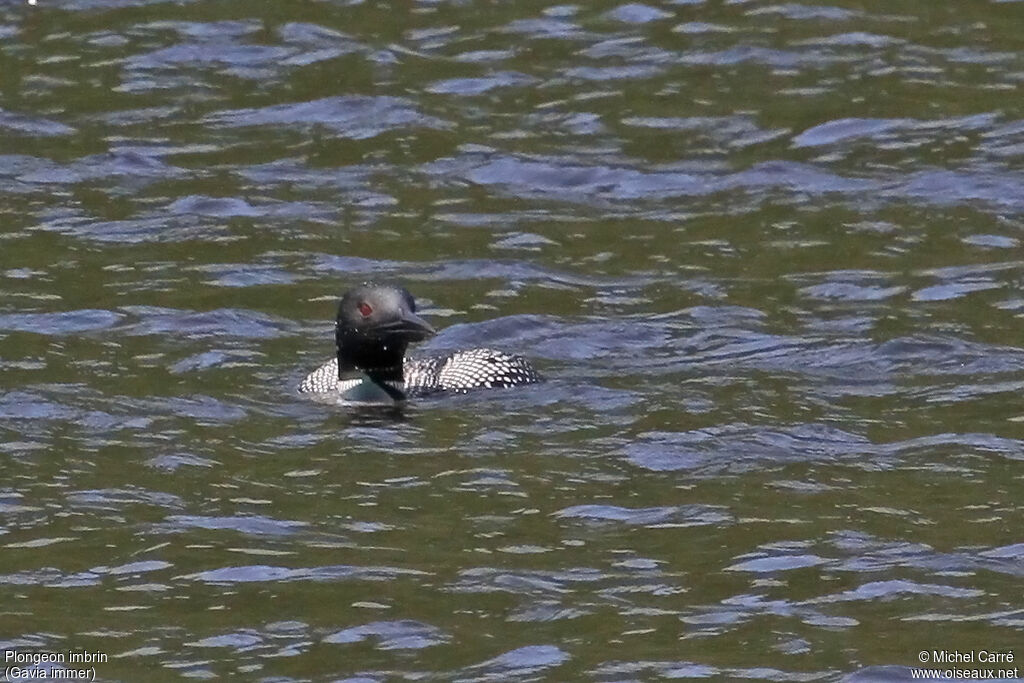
<point>456,372</point>
<point>375,325</point>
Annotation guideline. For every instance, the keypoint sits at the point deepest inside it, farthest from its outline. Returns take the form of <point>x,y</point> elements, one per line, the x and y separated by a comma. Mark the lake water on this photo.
<point>768,255</point>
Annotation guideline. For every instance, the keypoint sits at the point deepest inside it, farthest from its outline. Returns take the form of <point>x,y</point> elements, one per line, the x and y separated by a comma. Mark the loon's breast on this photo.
<point>456,372</point>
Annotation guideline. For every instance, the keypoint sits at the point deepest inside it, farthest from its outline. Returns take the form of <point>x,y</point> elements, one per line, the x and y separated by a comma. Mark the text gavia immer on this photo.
<point>376,323</point>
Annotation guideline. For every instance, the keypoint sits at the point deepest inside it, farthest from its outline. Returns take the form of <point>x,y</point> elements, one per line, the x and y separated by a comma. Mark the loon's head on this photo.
<point>376,323</point>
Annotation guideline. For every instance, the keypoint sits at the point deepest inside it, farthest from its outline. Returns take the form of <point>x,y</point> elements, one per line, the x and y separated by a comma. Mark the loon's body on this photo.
<point>375,325</point>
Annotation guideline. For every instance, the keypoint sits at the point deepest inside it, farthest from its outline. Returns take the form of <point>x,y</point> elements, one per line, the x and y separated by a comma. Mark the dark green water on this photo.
<point>767,254</point>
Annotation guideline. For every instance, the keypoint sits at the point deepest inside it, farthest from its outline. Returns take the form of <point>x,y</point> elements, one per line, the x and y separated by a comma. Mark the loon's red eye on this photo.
<point>365,309</point>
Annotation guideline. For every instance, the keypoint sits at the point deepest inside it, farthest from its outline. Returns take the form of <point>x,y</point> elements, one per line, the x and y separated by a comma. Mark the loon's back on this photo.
<point>456,372</point>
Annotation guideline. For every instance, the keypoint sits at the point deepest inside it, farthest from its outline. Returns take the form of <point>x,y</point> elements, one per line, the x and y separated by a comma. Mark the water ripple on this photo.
<point>391,635</point>
<point>268,574</point>
<point>22,124</point>
<point>356,117</point>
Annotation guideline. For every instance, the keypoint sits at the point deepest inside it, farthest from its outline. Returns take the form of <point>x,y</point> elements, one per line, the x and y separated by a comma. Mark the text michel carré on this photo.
<point>84,657</point>
<point>970,657</point>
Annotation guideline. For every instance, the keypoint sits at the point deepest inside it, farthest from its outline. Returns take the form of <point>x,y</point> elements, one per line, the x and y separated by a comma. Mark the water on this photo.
<point>767,254</point>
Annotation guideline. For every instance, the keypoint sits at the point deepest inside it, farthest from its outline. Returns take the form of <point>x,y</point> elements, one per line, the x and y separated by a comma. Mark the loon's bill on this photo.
<point>375,325</point>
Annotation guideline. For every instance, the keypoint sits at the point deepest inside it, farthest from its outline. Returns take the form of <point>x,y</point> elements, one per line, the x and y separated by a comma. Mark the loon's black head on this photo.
<point>375,325</point>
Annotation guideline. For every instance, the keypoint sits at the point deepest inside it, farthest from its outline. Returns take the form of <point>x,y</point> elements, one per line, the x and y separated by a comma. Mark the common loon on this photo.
<point>376,323</point>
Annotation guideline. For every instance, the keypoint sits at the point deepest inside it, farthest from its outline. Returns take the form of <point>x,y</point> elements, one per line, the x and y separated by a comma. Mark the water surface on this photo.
<point>767,254</point>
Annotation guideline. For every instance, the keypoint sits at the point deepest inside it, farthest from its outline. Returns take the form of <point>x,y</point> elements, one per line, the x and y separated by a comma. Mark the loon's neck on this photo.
<point>377,364</point>
<point>372,386</point>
